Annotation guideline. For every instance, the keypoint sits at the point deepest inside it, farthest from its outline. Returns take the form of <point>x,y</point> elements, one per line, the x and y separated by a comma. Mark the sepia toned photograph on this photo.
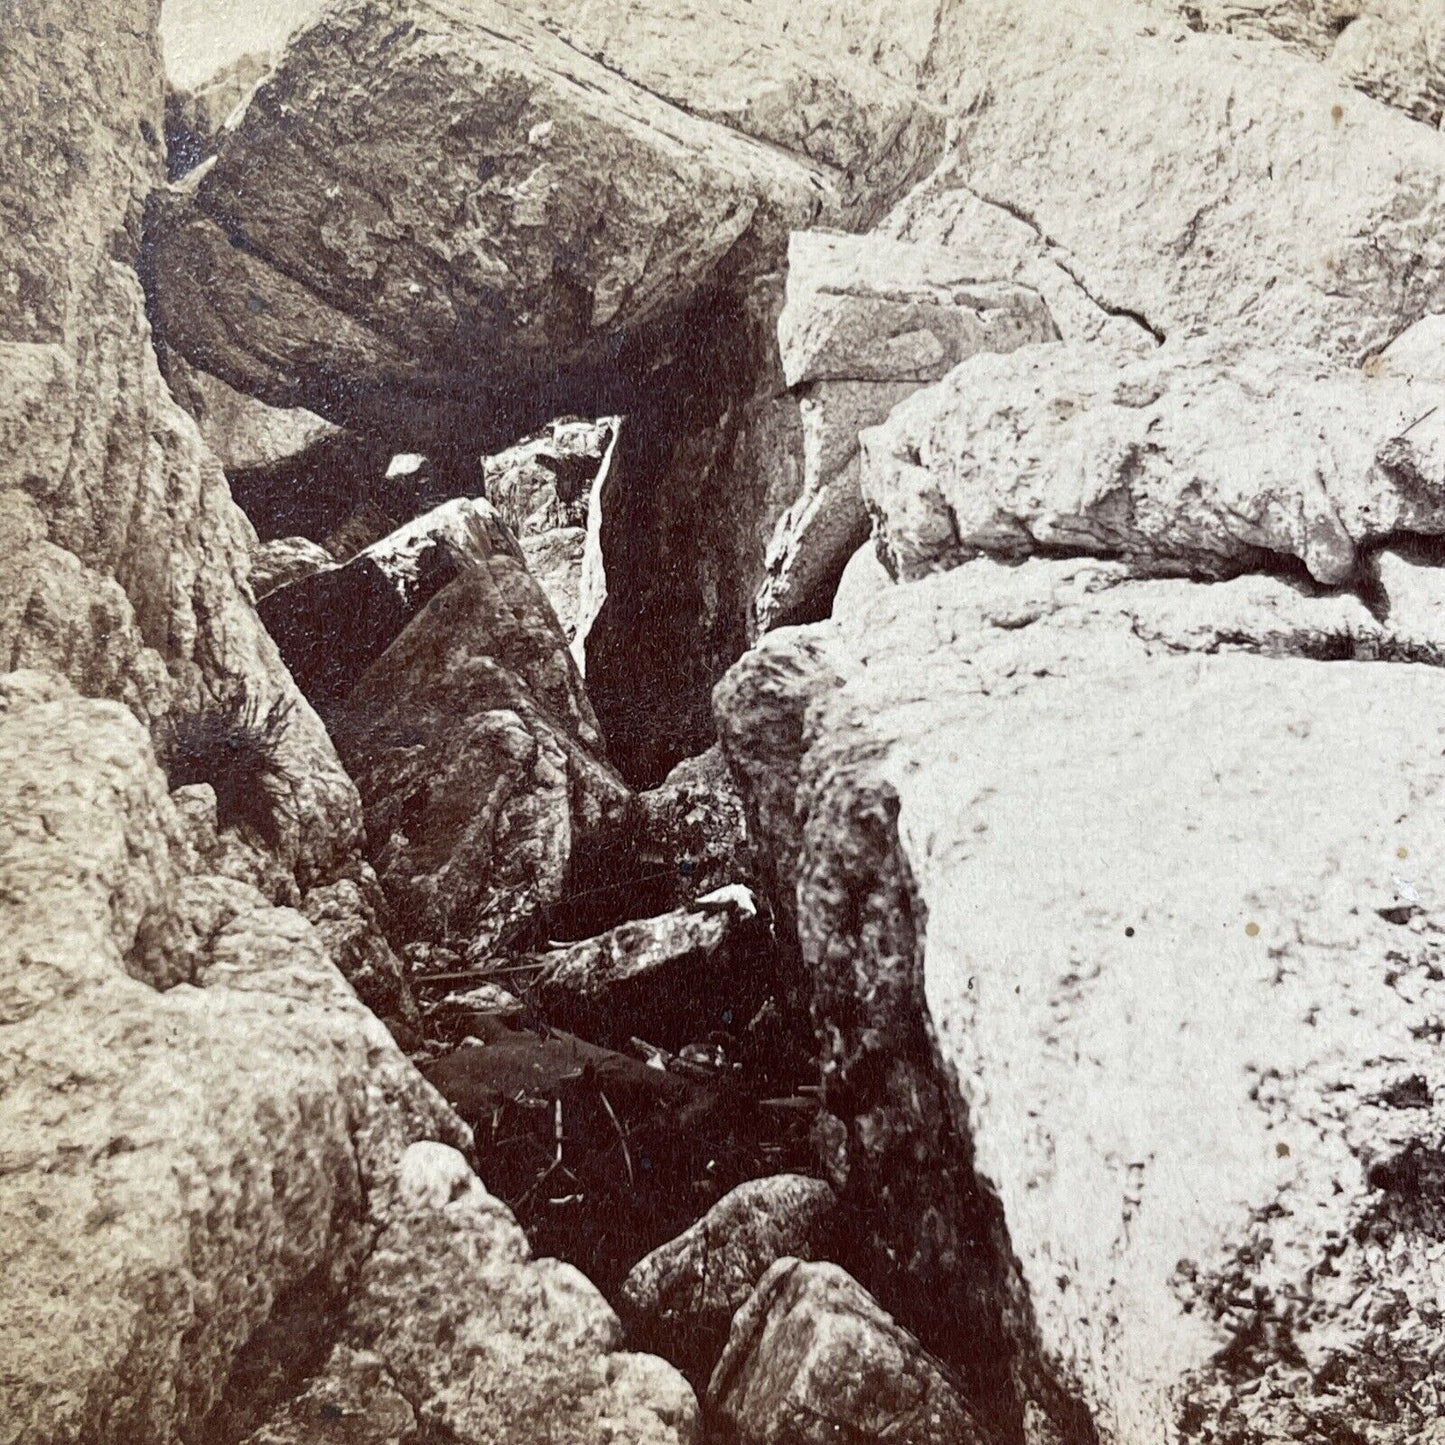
<point>722,722</point>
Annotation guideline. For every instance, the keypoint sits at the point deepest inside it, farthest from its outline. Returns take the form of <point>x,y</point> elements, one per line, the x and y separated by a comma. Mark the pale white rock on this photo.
<point>1178,940</point>
<point>863,578</point>
<point>1418,353</point>
<point>866,321</point>
<point>1197,180</point>
<point>1189,460</point>
<point>286,559</point>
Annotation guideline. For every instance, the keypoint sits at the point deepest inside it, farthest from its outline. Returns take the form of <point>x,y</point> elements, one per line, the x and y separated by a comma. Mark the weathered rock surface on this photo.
<point>196,1104</point>
<point>867,321</point>
<point>670,979</point>
<point>497,271</point>
<point>332,623</point>
<point>683,1296</point>
<point>278,563</point>
<point>452,1325</point>
<point>479,761</point>
<point>812,1359</point>
<point>243,433</point>
<point>122,557</point>
<point>1149,160</point>
<point>1181,1202</point>
<point>1187,460</point>
<point>1390,49</point>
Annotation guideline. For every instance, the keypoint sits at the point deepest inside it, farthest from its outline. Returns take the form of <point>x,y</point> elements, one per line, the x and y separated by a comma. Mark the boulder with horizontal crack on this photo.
<point>866,322</point>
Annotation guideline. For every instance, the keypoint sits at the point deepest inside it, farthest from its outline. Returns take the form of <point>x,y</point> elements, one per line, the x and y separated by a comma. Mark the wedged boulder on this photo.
<point>1177,1202</point>
<point>285,560</point>
<point>545,489</point>
<point>478,759</point>
<point>812,1359</point>
<point>866,322</point>
<point>1190,460</point>
<point>1148,160</point>
<point>683,1296</point>
<point>332,623</point>
<point>767,71</point>
<point>122,557</point>
<point>498,275</point>
<point>671,980</point>
<point>452,1320</point>
<point>197,117</point>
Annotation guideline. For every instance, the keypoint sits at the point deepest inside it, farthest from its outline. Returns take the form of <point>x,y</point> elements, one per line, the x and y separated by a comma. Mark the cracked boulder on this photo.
<point>1189,460</point>
<point>867,321</point>
<point>333,622</point>
<point>1143,1103</point>
<point>463,259</point>
<point>683,1296</point>
<point>1194,181</point>
<point>812,1359</point>
<point>478,759</point>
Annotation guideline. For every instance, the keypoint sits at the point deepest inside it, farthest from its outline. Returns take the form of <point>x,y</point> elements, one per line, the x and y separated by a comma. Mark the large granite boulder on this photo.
<point>1192,459</point>
<point>1193,181</point>
<point>497,276</point>
<point>867,321</point>
<point>332,623</point>
<point>812,1359</point>
<point>122,558</point>
<point>212,1148</point>
<point>479,761</point>
<point>1123,949</point>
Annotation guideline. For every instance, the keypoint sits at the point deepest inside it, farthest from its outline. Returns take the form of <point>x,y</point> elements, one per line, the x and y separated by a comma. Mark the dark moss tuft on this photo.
<point>235,746</point>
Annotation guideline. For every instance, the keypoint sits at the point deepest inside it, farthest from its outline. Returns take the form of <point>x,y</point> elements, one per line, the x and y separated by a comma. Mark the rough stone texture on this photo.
<point>544,488</point>
<point>122,557</point>
<point>1393,50</point>
<point>1188,460</point>
<point>243,433</point>
<point>283,561</point>
<point>671,979</point>
<point>1192,1204</point>
<point>765,71</point>
<point>347,916</point>
<point>478,759</point>
<point>453,1327</point>
<point>197,118</point>
<point>1196,180</point>
<point>867,321</point>
<point>813,1359</point>
<point>496,275</point>
<point>682,1298</point>
<point>332,624</point>
<point>195,1102</point>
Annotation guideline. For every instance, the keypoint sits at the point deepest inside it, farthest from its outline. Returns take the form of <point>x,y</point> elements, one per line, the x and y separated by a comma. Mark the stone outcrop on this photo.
<point>812,1358</point>
<point>243,434</point>
<point>1189,460</point>
<point>987,769</point>
<point>497,278</point>
<point>452,1325</point>
<point>122,558</point>
<point>285,560</point>
<point>1147,159</point>
<point>332,623</point>
<point>683,1296</point>
<point>866,322</point>
<point>479,761</point>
